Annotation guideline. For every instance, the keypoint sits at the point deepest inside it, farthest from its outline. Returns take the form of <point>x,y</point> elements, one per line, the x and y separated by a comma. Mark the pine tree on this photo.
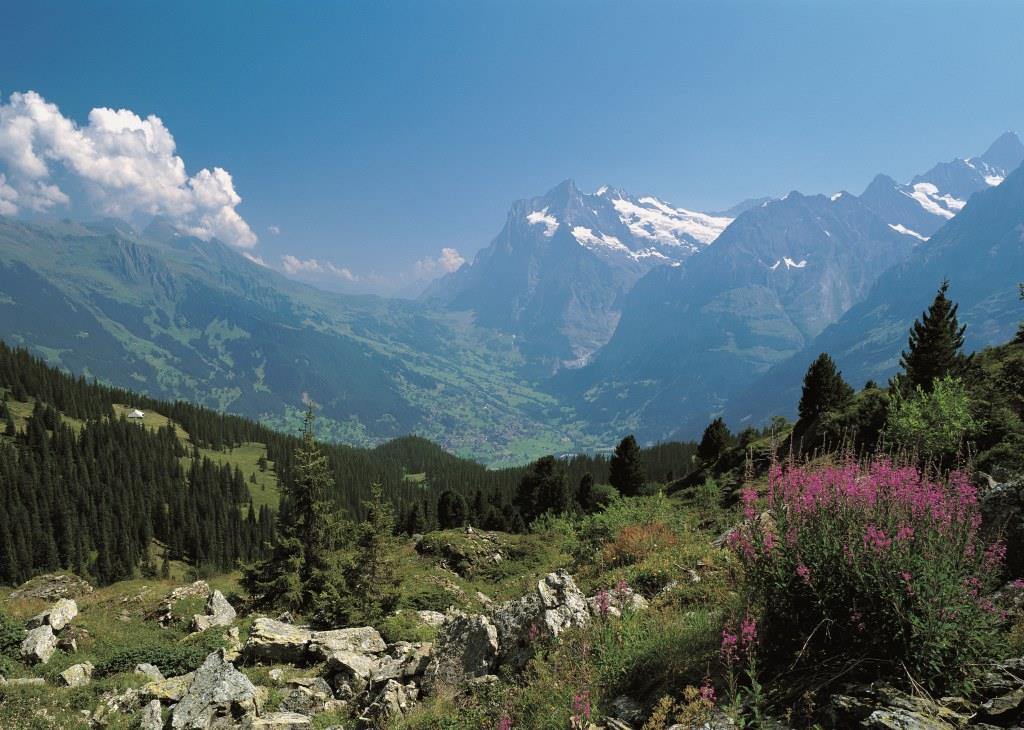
<point>543,489</point>
<point>934,344</point>
<point>715,440</point>
<point>452,510</point>
<point>585,492</point>
<point>824,389</point>
<point>626,471</point>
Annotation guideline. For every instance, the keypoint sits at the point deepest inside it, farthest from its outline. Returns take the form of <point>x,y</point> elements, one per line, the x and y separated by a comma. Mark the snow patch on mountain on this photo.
<point>655,220</point>
<point>900,228</point>
<point>789,263</point>
<point>538,217</point>
<point>585,237</point>
<point>927,195</point>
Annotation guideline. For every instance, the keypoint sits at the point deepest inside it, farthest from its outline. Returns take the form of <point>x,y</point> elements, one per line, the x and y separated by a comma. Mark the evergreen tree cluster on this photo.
<point>93,501</point>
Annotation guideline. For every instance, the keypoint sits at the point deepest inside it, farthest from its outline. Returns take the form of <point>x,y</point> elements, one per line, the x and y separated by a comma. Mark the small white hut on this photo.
<point>136,414</point>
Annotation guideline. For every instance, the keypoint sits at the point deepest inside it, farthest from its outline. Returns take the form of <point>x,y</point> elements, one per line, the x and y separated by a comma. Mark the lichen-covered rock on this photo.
<point>171,689</point>
<point>218,613</point>
<point>276,642</point>
<point>39,645</point>
<point>365,640</point>
<point>431,618</point>
<point>307,696</point>
<point>392,703</point>
<point>350,672</point>
<point>218,692</point>
<point>115,703</point>
<point>77,675</point>
<point>57,616</point>
<point>466,648</point>
<point>164,613</point>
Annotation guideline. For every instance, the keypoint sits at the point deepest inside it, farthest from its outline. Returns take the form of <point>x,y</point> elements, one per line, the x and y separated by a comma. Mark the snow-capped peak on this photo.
<point>539,217</point>
<point>655,220</point>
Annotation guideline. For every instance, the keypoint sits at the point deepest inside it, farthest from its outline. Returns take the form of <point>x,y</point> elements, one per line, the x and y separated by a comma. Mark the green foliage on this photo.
<point>824,389</point>
<point>452,510</point>
<point>715,440</point>
<point>934,344</point>
<point>544,489</point>
<point>172,659</point>
<point>11,636</point>
<point>932,423</point>
<point>626,470</point>
<point>406,626</point>
<point>365,587</point>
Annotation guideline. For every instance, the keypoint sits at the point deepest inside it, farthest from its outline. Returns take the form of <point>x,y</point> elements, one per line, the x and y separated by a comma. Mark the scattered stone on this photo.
<point>39,645</point>
<point>53,586</point>
<point>67,644</point>
<point>392,703</point>
<point>151,671</point>
<point>1004,707</point>
<point>218,690</point>
<point>466,647</point>
<point>115,703</point>
<point>431,618</point>
<point>25,682</point>
<point>152,717</point>
<point>276,675</point>
<point>77,675</point>
<point>483,599</point>
<point>350,672</point>
<point>164,613</point>
<point>276,642</point>
<point>57,616</point>
<point>308,699</point>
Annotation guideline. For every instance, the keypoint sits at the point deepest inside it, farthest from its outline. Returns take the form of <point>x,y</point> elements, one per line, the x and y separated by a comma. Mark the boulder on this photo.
<point>171,689</point>
<point>278,721</point>
<point>1002,512</point>
<point>115,703</point>
<point>151,717</point>
<point>555,606</point>
<point>365,640</point>
<point>150,671</point>
<point>618,601</point>
<point>39,645</point>
<point>57,616</point>
<point>350,672</point>
<point>307,698</point>
<point>431,618</point>
<point>628,710</point>
<point>218,693</point>
<point>466,648</point>
<point>164,613</point>
<point>218,613</point>
<point>276,642</point>
<point>77,675</point>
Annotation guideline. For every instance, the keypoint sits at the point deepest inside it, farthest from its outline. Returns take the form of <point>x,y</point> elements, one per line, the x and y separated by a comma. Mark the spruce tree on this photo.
<point>585,492</point>
<point>452,510</point>
<point>934,344</point>
<point>543,489</point>
<point>824,389</point>
<point>626,471</point>
<point>715,440</point>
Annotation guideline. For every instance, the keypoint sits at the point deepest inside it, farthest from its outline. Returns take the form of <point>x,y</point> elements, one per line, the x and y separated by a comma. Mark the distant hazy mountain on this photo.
<point>692,336</point>
<point>556,275</point>
<point>181,318</point>
<point>922,206</point>
<point>980,251</point>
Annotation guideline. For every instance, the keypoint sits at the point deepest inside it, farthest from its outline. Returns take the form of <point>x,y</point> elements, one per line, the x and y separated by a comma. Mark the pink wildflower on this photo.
<point>604,602</point>
<point>581,706</point>
<point>707,692</point>
<point>804,572</point>
<point>532,632</point>
<point>505,723</point>
<point>748,631</point>
<point>730,646</point>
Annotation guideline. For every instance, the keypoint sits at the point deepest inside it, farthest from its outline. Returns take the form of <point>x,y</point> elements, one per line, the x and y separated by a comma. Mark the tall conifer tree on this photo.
<point>626,471</point>
<point>934,346</point>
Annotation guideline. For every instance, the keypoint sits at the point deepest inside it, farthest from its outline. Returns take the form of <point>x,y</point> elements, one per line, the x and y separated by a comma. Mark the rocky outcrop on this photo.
<point>151,717</point>
<point>555,606</point>
<point>278,721</point>
<point>149,671</point>
<point>164,612</point>
<point>52,586</point>
<point>1002,511</point>
<point>391,703</point>
<point>218,613</point>
<point>171,689</point>
<point>39,645</point>
<point>219,695</point>
<point>615,602</point>
<point>365,640</point>
<point>466,648</point>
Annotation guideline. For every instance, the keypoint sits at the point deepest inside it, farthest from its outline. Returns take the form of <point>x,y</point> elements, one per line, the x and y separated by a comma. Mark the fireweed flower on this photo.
<point>804,572</point>
<point>581,706</point>
<point>707,692</point>
<point>730,646</point>
<point>604,603</point>
<point>532,632</point>
<point>748,632</point>
<point>749,496</point>
<point>505,723</point>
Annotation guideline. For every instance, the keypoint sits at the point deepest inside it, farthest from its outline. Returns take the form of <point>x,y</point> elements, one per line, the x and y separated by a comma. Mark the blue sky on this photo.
<point>373,134</point>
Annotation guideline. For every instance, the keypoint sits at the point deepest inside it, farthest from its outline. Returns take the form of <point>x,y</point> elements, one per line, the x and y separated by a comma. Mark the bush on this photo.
<point>172,659</point>
<point>635,543</point>
<point>872,564</point>
<point>11,636</point>
<point>932,423</point>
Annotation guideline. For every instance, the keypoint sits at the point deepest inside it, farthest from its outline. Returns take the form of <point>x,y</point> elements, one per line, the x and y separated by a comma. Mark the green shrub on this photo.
<point>872,564</point>
<point>11,636</point>
<point>933,423</point>
<point>172,659</point>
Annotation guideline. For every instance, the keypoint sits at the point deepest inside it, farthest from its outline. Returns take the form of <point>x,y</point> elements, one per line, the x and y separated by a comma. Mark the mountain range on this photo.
<point>589,315</point>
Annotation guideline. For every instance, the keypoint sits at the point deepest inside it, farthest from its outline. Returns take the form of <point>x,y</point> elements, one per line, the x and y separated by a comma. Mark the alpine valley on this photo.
<point>588,316</point>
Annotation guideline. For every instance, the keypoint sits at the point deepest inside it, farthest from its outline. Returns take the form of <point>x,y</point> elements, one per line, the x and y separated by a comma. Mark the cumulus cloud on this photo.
<point>430,268</point>
<point>124,165</point>
<point>274,230</point>
<point>256,259</point>
<point>294,265</point>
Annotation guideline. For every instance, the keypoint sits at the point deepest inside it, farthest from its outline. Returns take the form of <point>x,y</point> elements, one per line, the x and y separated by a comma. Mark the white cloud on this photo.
<point>430,268</point>
<point>256,259</point>
<point>274,230</point>
<point>125,166</point>
<point>294,265</point>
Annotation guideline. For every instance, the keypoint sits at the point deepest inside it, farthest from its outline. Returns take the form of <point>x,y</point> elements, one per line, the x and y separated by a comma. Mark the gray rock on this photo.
<point>308,696</point>
<point>115,703</point>
<point>171,689</point>
<point>276,642</point>
<point>57,616</point>
<point>431,618</point>
<point>628,710</point>
<point>218,692</point>
<point>218,613</point>
<point>52,586</point>
<point>151,718</point>
<point>555,606</point>
<point>25,682</point>
<point>39,645</point>
<point>466,647</point>
<point>151,671</point>
<point>390,704</point>
<point>365,640</point>
<point>350,672</point>
<point>164,613</point>
<point>77,675</point>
